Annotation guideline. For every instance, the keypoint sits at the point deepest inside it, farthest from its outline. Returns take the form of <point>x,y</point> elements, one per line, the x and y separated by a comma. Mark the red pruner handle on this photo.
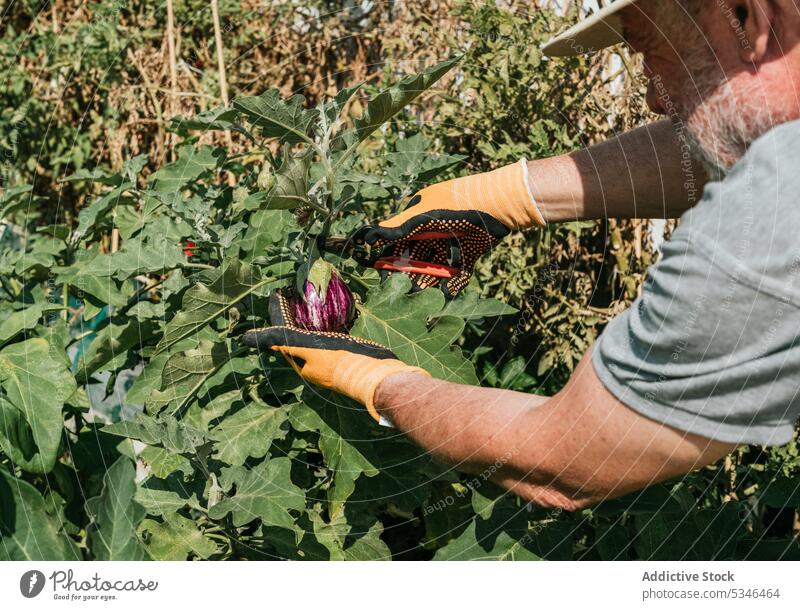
<point>434,235</point>
<point>409,265</point>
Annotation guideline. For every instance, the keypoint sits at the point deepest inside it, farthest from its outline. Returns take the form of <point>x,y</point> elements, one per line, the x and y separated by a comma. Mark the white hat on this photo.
<point>598,31</point>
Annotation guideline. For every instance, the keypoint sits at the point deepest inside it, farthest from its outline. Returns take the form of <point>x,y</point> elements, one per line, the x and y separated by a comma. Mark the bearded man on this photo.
<point>708,356</point>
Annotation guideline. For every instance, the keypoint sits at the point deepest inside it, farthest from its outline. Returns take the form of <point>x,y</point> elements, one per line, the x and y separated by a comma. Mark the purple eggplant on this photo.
<point>327,304</point>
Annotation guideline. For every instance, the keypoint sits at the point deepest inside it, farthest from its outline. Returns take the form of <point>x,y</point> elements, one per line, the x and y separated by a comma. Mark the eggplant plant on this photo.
<point>134,424</point>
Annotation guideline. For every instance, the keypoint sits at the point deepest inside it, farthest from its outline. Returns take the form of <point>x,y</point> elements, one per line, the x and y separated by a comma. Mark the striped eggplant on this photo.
<point>327,303</point>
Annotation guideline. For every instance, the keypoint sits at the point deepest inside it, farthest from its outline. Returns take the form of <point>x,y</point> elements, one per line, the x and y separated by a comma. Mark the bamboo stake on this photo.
<point>54,17</point>
<point>223,80</point>
<point>173,63</point>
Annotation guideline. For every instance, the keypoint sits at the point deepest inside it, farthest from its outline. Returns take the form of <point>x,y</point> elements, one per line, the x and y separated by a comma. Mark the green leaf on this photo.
<point>248,432</point>
<point>612,542</point>
<point>94,175</point>
<point>483,542</point>
<point>36,386</point>
<point>654,499</point>
<point>165,431</point>
<point>186,372</point>
<point>222,118</point>
<point>486,497</point>
<point>402,480</point>
<point>665,537</point>
<point>10,200</point>
<point>412,161</point>
<point>116,516</point>
<point>392,100</point>
<point>291,183</point>
<point>168,495</point>
<point>175,538</point>
<point>137,256</point>
<point>721,529</point>
<point>781,492</point>
<point>344,439</point>
<point>358,541</point>
<point>114,342</point>
<point>89,216</point>
<point>18,321</point>
<point>768,549</point>
<point>470,307</point>
<point>28,531</point>
<point>276,117</point>
<point>191,164</point>
<point>397,320</point>
<point>204,303</point>
<point>265,229</point>
<point>266,492</point>
<point>82,277</point>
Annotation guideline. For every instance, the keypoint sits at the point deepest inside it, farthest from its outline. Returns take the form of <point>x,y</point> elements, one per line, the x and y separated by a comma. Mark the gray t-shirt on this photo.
<point>712,346</point>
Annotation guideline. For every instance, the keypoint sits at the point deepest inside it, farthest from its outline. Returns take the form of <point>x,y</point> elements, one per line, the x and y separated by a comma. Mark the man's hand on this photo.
<point>466,217</point>
<point>336,361</point>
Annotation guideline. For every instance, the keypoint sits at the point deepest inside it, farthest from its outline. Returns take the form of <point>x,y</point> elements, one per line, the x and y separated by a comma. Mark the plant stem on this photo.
<point>65,298</point>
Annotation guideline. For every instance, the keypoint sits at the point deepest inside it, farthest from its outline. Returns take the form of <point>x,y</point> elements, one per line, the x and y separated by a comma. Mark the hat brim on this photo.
<point>598,31</point>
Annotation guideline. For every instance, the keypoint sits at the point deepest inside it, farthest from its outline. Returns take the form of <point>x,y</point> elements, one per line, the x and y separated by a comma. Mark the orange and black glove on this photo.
<point>460,219</point>
<point>336,361</point>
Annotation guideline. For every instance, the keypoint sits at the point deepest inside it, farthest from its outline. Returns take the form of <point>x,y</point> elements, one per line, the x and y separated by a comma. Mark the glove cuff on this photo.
<point>359,376</point>
<point>504,193</point>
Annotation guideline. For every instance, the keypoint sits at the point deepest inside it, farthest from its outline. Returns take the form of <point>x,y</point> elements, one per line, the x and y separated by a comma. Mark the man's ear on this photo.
<point>756,19</point>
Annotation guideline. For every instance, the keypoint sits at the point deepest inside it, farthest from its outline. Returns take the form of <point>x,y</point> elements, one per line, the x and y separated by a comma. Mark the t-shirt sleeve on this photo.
<point>710,346</point>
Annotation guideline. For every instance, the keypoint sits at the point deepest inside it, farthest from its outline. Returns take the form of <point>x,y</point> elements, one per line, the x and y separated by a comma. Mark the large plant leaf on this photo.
<point>191,164</point>
<point>153,255</point>
<point>116,516</point>
<point>204,303</point>
<point>89,217</point>
<point>266,492</point>
<point>21,320</point>
<point>344,439</point>
<point>411,162</point>
<point>27,531</point>
<point>389,102</point>
<point>36,385</point>
<point>278,118</point>
<point>174,538</point>
<point>81,277</point>
<point>186,372</point>
<point>396,319</point>
<point>358,541</point>
<point>113,343</point>
<point>222,118</point>
<point>781,492</point>
<point>11,200</point>
<point>168,495</point>
<point>291,183</point>
<point>470,306</point>
<point>503,538</point>
<point>248,432</point>
<point>165,431</point>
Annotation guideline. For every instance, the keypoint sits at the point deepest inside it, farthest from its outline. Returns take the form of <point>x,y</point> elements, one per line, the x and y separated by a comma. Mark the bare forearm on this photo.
<point>570,450</point>
<point>460,424</point>
<point>643,173</point>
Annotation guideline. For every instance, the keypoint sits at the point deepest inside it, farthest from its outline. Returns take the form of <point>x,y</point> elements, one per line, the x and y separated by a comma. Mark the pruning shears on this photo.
<point>362,252</point>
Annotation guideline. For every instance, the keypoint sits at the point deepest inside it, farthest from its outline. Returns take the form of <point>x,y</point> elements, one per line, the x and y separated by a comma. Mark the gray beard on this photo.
<point>726,119</point>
